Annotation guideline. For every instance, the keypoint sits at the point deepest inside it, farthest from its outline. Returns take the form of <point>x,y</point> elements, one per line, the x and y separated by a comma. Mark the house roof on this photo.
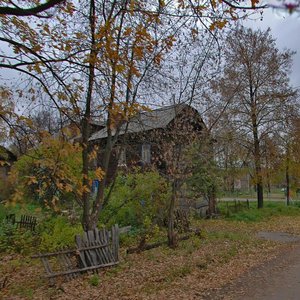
<point>147,120</point>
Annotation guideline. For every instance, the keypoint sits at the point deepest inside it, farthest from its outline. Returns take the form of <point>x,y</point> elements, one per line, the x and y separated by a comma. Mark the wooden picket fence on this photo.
<point>26,222</point>
<point>236,206</point>
<point>95,249</point>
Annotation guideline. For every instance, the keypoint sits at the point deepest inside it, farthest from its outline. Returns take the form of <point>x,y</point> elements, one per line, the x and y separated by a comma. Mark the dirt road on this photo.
<point>278,279</point>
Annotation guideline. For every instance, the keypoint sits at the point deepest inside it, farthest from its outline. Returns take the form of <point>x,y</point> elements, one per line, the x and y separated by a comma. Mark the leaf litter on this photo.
<point>197,269</point>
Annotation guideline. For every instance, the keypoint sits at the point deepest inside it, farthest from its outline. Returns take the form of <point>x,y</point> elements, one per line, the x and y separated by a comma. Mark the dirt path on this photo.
<point>278,279</point>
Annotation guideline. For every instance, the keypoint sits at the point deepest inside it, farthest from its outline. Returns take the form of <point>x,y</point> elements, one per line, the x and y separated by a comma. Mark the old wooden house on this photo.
<point>151,138</point>
<point>6,159</point>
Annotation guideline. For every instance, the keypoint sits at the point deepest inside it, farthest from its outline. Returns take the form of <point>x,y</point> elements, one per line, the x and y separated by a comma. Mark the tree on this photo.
<point>287,141</point>
<point>34,10</point>
<point>49,173</point>
<point>96,59</point>
<point>230,156</point>
<point>90,71</point>
<point>204,179</point>
<point>255,79</point>
<point>6,110</point>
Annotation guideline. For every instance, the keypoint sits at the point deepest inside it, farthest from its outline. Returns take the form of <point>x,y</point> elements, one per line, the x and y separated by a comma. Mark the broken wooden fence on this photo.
<point>95,249</point>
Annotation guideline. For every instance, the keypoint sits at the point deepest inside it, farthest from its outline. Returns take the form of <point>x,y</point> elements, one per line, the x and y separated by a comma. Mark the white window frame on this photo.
<point>146,153</point>
<point>122,157</point>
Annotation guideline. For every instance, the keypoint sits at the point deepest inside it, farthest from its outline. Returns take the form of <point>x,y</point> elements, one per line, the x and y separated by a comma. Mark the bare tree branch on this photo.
<point>33,11</point>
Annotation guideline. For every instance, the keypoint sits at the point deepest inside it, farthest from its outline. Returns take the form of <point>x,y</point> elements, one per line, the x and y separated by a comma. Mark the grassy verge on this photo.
<point>241,213</point>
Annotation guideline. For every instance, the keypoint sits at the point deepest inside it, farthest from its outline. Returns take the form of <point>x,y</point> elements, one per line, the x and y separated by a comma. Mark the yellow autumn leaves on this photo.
<point>53,173</point>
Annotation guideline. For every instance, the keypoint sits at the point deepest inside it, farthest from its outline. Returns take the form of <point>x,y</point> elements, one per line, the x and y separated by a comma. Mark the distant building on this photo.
<point>242,183</point>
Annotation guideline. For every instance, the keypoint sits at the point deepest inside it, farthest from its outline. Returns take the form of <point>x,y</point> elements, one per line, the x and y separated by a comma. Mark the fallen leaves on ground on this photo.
<point>197,268</point>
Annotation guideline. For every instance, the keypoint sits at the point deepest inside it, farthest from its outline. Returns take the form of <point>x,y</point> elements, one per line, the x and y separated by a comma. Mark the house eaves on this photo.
<point>145,121</point>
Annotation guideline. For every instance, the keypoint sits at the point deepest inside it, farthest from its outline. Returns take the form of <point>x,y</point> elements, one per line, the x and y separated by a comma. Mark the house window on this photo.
<point>146,154</point>
<point>122,157</point>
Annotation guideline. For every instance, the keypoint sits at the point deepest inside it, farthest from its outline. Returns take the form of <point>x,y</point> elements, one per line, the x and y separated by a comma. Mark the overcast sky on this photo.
<point>285,28</point>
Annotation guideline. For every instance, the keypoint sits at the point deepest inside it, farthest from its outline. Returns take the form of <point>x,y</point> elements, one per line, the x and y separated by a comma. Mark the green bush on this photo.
<point>138,199</point>
<point>16,240</point>
<point>57,233</point>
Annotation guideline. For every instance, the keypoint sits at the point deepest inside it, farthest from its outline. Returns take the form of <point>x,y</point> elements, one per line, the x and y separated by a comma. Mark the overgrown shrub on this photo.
<point>57,232</point>
<point>49,174</point>
<point>16,240</point>
<point>139,199</point>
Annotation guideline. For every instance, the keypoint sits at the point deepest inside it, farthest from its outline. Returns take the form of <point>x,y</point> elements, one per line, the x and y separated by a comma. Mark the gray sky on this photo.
<point>285,28</point>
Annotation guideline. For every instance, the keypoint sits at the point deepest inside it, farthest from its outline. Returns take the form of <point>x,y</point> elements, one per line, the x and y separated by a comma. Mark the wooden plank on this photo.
<point>103,240</point>
<point>64,265</point>
<point>53,253</point>
<point>46,265</point>
<point>78,242</point>
<point>67,251</point>
<point>109,249</point>
<point>92,252</point>
<point>100,240</point>
<point>87,256</point>
<point>125,229</point>
<point>47,269</point>
<point>67,262</point>
<point>111,253</point>
<point>99,251</point>
<point>70,264</point>
<point>81,270</point>
<point>115,241</point>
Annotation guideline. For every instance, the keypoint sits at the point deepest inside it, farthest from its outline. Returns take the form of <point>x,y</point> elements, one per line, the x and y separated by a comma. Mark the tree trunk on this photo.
<point>260,195</point>
<point>86,220</point>
<point>212,202</point>
<point>257,155</point>
<point>171,233</point>
<point>98,203</point>
<point>287,176</point>
<point>259,180</point>
<point>268,174</point>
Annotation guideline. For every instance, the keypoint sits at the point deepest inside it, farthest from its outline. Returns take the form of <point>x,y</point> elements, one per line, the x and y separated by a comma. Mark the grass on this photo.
<point>23,291</point>
<point>178,272</point>
<point>253,214</point>
<point>227,246</point>
<point>94,280</point>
